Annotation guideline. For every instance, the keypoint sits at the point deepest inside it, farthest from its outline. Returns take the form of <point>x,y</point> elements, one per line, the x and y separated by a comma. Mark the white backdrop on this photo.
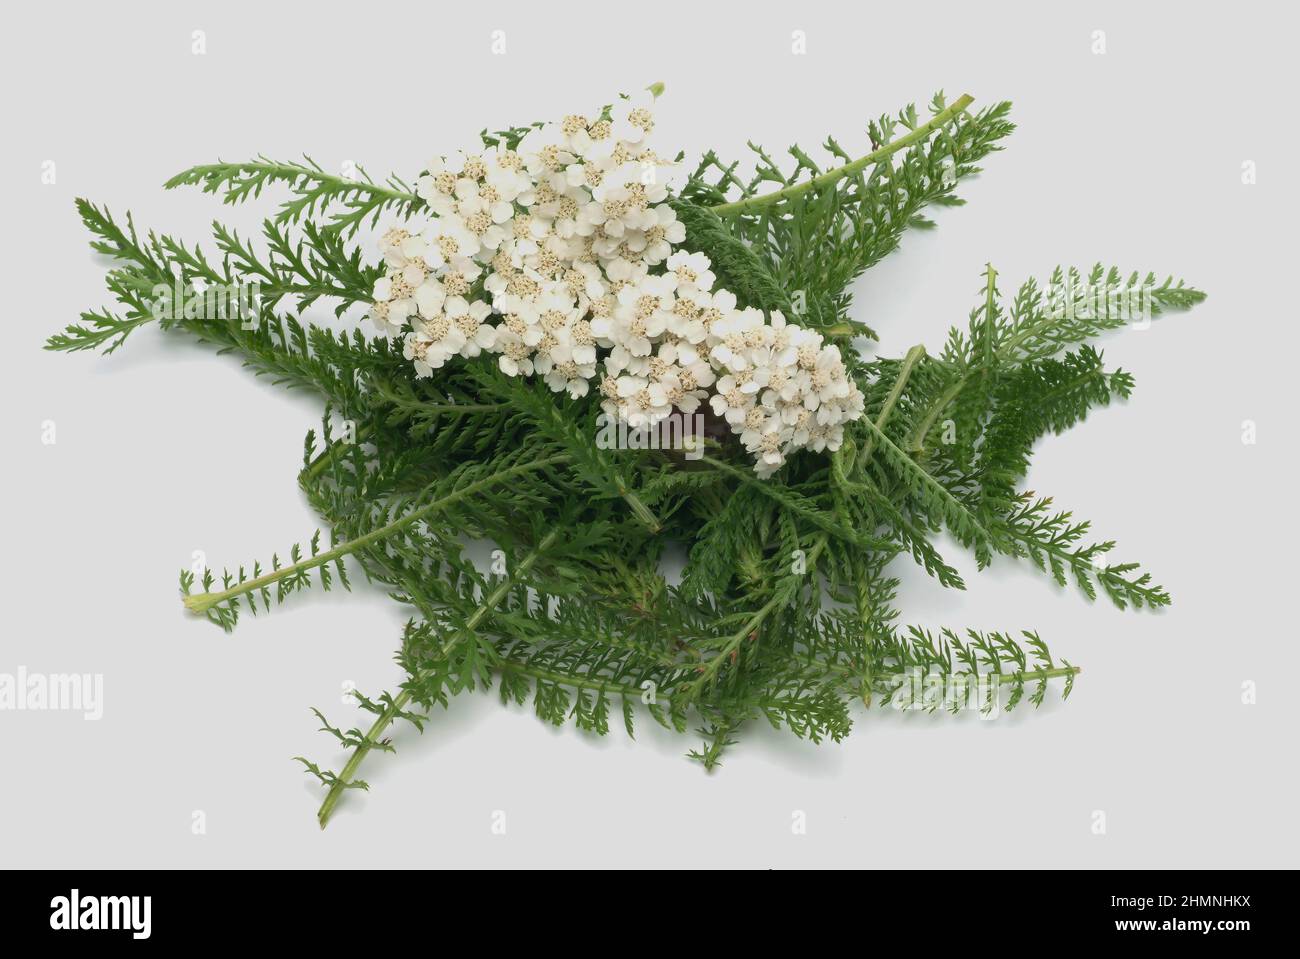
<point>1134,157</point>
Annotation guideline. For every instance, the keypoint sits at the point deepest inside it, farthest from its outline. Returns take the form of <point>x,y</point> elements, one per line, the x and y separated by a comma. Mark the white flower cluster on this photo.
<point>559,257</point>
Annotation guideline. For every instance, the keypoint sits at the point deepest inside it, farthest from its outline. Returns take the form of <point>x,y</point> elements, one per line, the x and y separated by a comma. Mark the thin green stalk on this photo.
<point>886,410</point>
<point>314,468</point>
<point>828,522</point>
<point>291,171</point>
<point>399,702</point>
<point>640,510</point>
<point>201,602</point>
<point>849,169</point>
<point>916,445</point>
<point>990,306</point>
<point>710,669</point>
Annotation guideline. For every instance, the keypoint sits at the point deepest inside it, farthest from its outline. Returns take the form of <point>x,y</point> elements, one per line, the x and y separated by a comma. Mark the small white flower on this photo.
<point>685,317</point>
<point>825,380</point>
<point>733,338</point>
<point>582,343</point>
<point>620,360</point>
<point>731,401</point>
<point>691,271</point>
<point>468,319</point>
<point>393,302</point>
<point>431,344</point>
<point>769,443</point>
<point>516,357</point>
<point>634,119</point>
<point>473,197</point>
<point>449,240</point>
<point>588,174</point>
<point>568,374</point>
<point>621,271</point>
<point>437,187</point>
<point>659,237</point>
<point>642,403</point>
<point>685,377</point>
<point>508,176</point>
<point>390,245</point>
<point>476,229</point>
<point>545,150</point>
<point>830,437</point>
<point>430,296</point>
<point>639,318</point>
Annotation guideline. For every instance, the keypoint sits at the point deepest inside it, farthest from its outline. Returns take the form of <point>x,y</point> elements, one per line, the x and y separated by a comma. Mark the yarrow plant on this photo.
<point>566,276</point>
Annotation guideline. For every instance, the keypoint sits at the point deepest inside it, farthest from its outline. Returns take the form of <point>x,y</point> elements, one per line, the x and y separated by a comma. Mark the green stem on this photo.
<point>827,522</point>
<point>916,445</point>
<point>201,602</point>
<point>274,291</point>
<point>196,176</point>
<point>904,372</point>
<point>990,305</point>
<point>399,702</point>
<point>640,510</point>
<point>849,169</point>
<point>710,669</point>
<point>313,469</point>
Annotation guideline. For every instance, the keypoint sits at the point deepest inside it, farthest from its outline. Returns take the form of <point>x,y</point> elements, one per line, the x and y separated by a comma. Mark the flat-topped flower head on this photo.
<point>560,256</point>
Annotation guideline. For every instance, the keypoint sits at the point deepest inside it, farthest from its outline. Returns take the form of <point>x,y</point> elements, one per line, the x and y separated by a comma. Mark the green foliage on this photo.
<point>345,203</point>
<point>818,230</point>
<point>738,268</point>
<point>785,611</point>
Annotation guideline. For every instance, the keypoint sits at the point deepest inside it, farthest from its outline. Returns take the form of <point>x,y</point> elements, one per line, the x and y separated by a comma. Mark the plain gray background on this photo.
<point>1133,157</point>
